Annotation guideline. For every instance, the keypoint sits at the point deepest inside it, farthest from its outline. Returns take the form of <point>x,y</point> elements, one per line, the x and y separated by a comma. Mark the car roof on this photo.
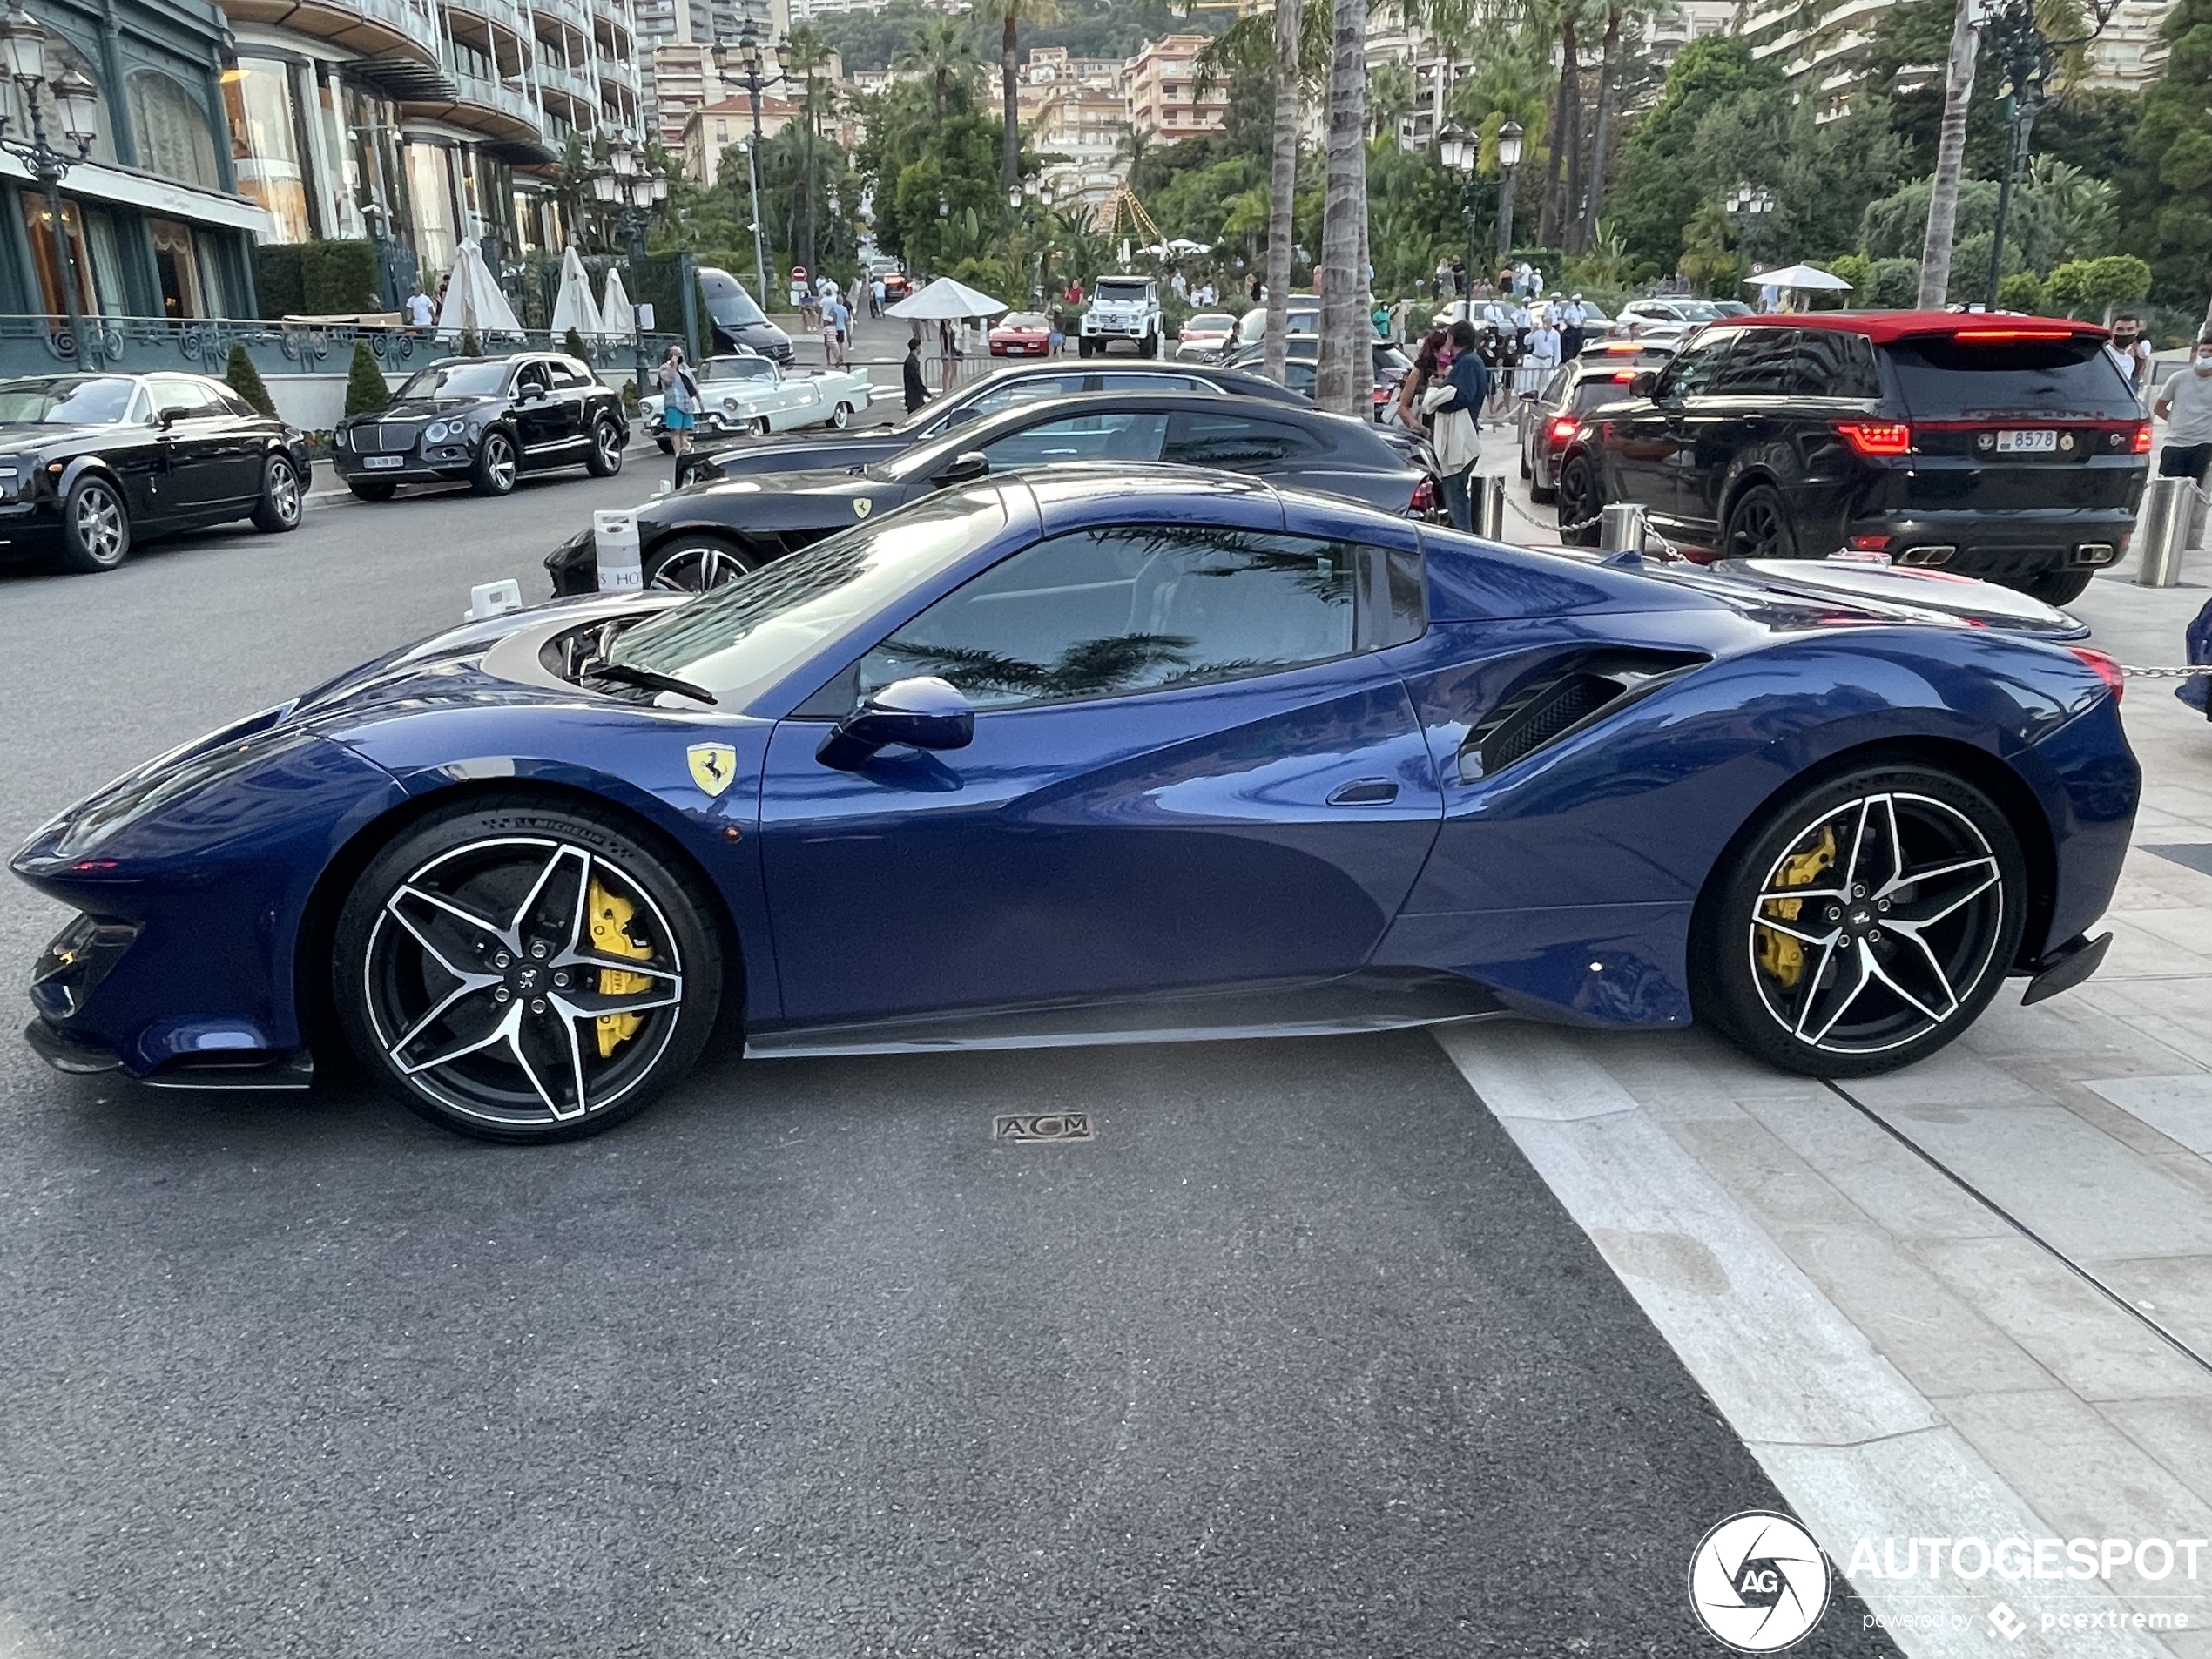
<point>1222,374</point>
<point>1882,326</point>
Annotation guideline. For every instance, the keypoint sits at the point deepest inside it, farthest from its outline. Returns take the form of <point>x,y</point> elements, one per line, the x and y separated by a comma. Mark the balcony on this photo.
<point>504,113</point>
<point>397,39</point>
<point>613,71</point>
<point>572,15</point>
<point>503,14</point>
<point>577,91</point>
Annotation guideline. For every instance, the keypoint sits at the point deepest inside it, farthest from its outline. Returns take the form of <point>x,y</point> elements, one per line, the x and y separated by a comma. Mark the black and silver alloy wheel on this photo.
<point>1758,526</point>
<point>693,567</point>
<point>96,530</point>
<point>1868,925</point>
<point>496,466</point>
<point>280,506</point>
<point>525,976</point>
<point>1582,501</point>
<point>606,449</point>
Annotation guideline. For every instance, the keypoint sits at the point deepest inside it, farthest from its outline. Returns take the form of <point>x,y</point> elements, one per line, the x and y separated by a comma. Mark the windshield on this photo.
<point>463,377</point>
<point>1209,322</point>
<point>737,368</point>
<point>1699,310</point>
<point>733,309</point>
<point>1959,375</point>
<point>1031,320</point>
<point>66,399</point>
<point>1121,293</point>
<point>737,639</point>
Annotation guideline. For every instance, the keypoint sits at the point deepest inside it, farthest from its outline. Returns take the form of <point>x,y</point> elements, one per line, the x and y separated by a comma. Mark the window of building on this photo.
<point>268,144</point>
<point>436,218</point>
<point>176,263</point>
<point>38,219</point>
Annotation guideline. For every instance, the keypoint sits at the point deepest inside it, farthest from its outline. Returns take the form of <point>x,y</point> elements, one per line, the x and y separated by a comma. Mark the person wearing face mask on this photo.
<point>2135,351</point>
<point>2185,405</point>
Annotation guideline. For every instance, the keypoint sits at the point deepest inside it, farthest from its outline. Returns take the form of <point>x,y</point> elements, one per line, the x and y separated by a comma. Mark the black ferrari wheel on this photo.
<point>694,563</point>
<point>281,499</point>
<point>1582,500</point>
<point>370,488</point>
<point>2055,587</point>
<point>524,973</point>
<point>1864,924</point>
<point>96,529</point>
<point>606,459</point>
<point>1758,527</point>
<point>496,466</point>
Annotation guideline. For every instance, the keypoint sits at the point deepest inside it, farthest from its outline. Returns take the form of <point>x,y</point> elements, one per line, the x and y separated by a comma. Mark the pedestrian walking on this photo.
<point>947,356</point>
<point>917,388</point>
<point>2185,404</point>
<point>680,402</point>
<point>1430,364</point>
<point>1573,318</point>
<point>833,336</point>
<point>876,292</point>
<point>1543,351</point>
<point>421,312</point>
<point>1453,405</point>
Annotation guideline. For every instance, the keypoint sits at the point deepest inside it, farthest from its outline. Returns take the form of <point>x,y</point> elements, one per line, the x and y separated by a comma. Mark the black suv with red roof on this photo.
<point>1991,445</point>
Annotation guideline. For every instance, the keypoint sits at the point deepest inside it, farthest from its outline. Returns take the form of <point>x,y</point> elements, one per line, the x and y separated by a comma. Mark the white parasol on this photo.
<point>473,300</point>
<point>1797,276</point>
<point>616,314</point>
<point>946,298</point>
<point>572,306</point>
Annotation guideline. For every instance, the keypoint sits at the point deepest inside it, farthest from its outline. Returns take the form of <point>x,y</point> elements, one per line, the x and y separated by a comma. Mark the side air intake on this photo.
<point>1563,699</point>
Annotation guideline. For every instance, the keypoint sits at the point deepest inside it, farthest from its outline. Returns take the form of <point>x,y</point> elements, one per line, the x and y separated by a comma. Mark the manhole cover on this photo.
<point>2192,856</point>
<point>1041,1126</point>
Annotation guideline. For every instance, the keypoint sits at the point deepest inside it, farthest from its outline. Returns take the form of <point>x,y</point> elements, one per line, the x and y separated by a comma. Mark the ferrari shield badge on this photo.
<point>860,507</point>
<point>713,765</point>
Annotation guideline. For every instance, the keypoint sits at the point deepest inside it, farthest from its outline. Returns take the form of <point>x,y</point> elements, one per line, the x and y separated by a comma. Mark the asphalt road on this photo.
<point>1297,1356</point>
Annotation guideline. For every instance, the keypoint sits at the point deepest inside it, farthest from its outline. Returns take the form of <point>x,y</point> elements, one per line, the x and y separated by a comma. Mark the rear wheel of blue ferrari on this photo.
<point>1867,922</point>
<point>525,973</point>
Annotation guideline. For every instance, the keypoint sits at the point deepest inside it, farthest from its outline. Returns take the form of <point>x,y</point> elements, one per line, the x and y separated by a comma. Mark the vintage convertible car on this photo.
<point>745,391</point>
<point>1101,754</point>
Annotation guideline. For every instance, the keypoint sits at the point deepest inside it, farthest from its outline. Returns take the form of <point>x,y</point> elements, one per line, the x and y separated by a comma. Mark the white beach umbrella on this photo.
<point>573,307</point>
<point>616,314</point>
<point>946,297</point>
<point>473,300</point>
<point>1797,276</point>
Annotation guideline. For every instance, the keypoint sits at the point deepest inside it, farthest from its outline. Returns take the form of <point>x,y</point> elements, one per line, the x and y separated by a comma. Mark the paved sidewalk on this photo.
<point>1970,1300</point>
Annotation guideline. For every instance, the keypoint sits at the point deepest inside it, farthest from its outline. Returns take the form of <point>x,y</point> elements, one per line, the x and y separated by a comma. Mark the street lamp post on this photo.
<point>749,58</point>
<point>22,46</point>
<point>1462,152</point>
<point>2029,56</point>
<point>1509,137</point>
<point>634,189</point>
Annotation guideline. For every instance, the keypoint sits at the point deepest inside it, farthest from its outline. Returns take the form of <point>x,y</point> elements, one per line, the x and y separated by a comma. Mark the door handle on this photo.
<point>1366,792</point>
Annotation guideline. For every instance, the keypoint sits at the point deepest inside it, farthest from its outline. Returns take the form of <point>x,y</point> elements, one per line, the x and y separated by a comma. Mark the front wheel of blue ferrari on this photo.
<point>1862,923</point>
<point>526,973</point>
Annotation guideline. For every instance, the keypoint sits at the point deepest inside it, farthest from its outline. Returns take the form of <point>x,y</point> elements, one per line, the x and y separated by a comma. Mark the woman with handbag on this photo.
<point>680,401</point>
<point>1453,405</point>
<point>1429,367</point>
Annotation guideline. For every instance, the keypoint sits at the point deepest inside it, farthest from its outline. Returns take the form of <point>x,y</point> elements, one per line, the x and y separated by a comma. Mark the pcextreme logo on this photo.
<point>1758,1582</point>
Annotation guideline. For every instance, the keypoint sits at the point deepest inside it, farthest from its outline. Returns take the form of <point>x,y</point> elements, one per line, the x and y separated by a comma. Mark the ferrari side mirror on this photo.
<point>925,713</point>
<point>964,468</point>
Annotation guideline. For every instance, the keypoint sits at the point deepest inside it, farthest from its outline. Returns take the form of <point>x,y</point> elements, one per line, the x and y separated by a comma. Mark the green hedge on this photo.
<point>316,279</point>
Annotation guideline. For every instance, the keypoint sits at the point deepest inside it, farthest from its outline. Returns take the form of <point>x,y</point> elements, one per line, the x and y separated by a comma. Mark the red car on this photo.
<point>1023,333</point>
<point>896,287</point>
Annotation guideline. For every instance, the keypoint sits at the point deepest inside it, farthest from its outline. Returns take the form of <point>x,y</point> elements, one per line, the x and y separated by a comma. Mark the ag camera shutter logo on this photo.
<point>1758,1582</point>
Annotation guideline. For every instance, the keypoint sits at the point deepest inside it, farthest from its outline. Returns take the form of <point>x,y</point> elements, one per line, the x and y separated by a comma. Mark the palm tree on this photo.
<point>1951,154</point>
<point>1389,98</point>
<point>1010,15</point>
<point>943,50</point>
<point>1344,210</point>
<point>1282,183</point>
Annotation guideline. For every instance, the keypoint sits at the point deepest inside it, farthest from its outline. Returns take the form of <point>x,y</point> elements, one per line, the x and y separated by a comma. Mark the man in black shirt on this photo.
<point>917,389</point>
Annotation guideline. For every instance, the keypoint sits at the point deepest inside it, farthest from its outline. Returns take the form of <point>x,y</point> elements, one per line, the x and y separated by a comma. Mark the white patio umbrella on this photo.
<point>473,300</point>
<point>617,315</point>
<point>1184,245</point>
<point>1797,276</point>
<point>573,307</point>
<point>946,298</point>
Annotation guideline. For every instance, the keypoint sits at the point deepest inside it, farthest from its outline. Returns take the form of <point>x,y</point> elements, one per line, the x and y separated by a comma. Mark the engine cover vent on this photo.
<point>1565,697</point>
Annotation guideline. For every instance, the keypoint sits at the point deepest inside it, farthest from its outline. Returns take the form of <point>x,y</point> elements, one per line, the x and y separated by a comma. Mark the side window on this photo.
<point>1691,374</point>
<point>1832,363</point>
<point>175,392</point>
<point>567,375</point>
<point>1030,391</point>
<point>1556,392</point>
<point>1760,366</point>
<point>531,374</point>
<point>1080,437</point>
<point>1112,381</point>
<point>1107,613</point>
<point>1233,441</point>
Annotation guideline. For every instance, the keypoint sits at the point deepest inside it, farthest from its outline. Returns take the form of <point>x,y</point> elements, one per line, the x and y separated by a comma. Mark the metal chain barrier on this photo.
<point>2193,670</point>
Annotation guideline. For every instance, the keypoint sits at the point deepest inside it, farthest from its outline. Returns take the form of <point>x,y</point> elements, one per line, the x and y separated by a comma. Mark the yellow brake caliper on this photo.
<point>1783,957</point>
<point>611,915</point>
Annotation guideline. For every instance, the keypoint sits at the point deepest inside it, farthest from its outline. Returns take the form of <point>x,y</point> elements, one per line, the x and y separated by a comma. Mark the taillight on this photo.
<point>1424,497</point>
<point>2143,437</point>
<point>1876,437</point>
<point>2111,673</point>
<point>1563,429</point>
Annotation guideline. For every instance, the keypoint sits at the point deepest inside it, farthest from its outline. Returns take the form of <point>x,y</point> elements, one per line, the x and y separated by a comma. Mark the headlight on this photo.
<point>437,432</point>
<point>729,406</point>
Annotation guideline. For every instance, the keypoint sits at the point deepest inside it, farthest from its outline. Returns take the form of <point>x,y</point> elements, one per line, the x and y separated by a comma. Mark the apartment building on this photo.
<point>1162,92</point>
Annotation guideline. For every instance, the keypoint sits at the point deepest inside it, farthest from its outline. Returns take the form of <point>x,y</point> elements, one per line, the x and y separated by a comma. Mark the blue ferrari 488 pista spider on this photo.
<point>1082,755</point>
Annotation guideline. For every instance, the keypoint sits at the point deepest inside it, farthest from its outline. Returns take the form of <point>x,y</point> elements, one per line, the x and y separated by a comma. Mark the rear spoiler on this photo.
<point>1961,598</point>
